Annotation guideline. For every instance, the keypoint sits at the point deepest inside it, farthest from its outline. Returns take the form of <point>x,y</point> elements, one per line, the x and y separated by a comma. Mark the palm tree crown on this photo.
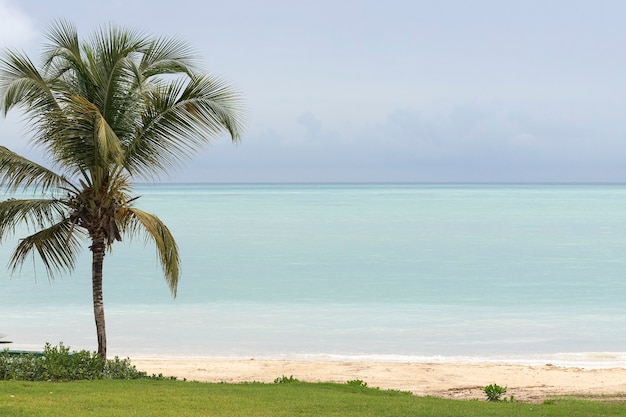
<point>118,108</point>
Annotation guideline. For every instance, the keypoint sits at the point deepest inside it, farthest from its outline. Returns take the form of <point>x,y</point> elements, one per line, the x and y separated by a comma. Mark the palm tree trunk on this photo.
<point>97,249</point>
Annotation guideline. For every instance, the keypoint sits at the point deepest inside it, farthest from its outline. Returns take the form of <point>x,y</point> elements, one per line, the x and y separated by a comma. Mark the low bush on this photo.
<point>494,392</point>
<point>58,363</point>
<point>357,383</point>
<point>285,380</point>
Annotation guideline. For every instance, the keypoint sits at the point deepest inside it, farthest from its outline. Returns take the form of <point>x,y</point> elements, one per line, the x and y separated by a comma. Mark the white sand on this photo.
<point>449,380</point>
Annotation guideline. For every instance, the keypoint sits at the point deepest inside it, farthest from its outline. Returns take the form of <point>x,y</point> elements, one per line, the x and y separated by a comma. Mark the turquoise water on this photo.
<point>393,272</point>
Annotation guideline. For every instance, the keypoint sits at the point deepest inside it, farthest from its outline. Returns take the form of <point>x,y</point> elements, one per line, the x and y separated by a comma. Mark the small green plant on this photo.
<point>357,383</point>
<point>285,380</point>
<point>398,391</point>
<point>494,392</point>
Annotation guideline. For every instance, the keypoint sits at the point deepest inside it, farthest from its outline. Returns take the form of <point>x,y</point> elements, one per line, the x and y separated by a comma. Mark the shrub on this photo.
<point>122,369</point>
<point>24,367</point>
<point>494,392</point>
<point>285,380</point>
<point>357,382</point>
<point>57,363</point>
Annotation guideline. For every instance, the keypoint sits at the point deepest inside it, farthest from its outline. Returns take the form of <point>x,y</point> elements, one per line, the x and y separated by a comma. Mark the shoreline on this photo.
<point>574,359</point>
<point>530,383</point>
<point>582,360</point>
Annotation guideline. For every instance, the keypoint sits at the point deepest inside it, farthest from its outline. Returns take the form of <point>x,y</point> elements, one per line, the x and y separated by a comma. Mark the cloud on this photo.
<point>492,143</point>
<point>468,143</point>
<point>312,125</point>
<point>16,28</point>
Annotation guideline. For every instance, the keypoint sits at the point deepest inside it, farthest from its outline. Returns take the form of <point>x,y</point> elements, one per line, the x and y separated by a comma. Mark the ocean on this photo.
<point>394,272</point>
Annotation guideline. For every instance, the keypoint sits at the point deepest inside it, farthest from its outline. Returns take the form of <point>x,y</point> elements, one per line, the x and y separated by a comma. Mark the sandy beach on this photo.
<point>448,380</point>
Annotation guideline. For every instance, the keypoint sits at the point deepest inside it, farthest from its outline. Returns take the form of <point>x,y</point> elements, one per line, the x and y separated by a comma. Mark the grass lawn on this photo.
<point>155,398</point>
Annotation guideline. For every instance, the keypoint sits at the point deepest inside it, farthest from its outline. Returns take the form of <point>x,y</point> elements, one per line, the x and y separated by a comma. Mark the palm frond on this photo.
<point>217,106</point>
<point>91,141</point>
<point>17,172</point>
<point>180,117</point>
<point>57,247</point>
<point>135,221</point>
<point>63,36</point>
<point>167,56</point>
<point>112,55</point>
<point>64,60</point>
<point>22,84</point>
<point>63,53</point>
<point>34,213</point>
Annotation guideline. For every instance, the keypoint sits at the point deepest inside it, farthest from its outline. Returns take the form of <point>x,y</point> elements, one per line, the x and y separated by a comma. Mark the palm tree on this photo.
<point>106,112</point>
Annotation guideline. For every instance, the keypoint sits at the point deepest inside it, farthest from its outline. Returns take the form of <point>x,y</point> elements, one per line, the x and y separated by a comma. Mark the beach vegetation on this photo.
<point>146,397</point>
<point>286,380</point>
<point>357,383</point>
<point>494,392</point>
<point>58,363</point>
<point>105,112</point>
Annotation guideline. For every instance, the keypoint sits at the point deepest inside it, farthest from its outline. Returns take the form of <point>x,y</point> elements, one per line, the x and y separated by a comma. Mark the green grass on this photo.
<point>130,398</point>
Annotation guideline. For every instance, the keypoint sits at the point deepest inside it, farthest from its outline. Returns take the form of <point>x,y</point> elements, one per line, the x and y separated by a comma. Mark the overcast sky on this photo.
<point>410,91</point>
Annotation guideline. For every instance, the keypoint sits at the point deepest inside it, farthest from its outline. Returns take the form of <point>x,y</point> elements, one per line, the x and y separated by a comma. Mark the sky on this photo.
<point>387,91</point>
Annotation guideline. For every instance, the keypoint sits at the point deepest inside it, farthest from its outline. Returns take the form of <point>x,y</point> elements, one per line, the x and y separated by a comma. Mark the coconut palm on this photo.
<point>118,108</point>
